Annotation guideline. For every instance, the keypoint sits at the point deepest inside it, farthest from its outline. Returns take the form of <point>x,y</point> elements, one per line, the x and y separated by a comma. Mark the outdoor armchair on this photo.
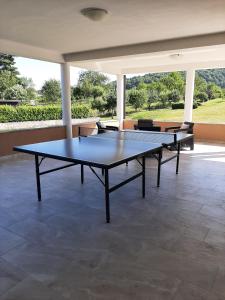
<point>103,128</point>
<point>146,124</point>
<point>186,127</point>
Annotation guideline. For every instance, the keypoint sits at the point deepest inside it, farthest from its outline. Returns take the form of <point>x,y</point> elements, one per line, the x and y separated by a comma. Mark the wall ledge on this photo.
<point>32,125</point>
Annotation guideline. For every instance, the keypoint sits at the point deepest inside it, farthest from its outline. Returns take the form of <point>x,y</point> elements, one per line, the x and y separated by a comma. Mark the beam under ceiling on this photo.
<point>150,47</point>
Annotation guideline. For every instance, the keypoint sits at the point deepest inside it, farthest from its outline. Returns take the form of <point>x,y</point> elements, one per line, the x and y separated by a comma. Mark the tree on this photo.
<point>7,63</point>
<point>142,85</point>
<point>111,101</point>
<point>28,85</point>
<point>8,74</point>
<point>97,91</point>
<point>94,78</point>
<point>99,104</point>
<point>157,91</point>
<point>26,82</point>
<point>174,96</point>
<point>174,83</point>
<point>51,90</point>
<point>200,85</point>
<point>31,94</point>
<point>90,85</point>
<point>16,92</point>
<point>214,91</point>
<point>153,95</point>
<point>137,98</point>
<point>6,81</point>
<point>77,93</point>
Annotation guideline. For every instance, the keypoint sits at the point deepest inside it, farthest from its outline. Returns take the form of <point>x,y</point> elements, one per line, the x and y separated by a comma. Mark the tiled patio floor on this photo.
<point>170,245</point>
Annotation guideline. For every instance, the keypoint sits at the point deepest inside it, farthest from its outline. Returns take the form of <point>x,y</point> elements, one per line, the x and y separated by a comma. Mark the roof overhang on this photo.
<point>199,52</point>
<point>20,49</point>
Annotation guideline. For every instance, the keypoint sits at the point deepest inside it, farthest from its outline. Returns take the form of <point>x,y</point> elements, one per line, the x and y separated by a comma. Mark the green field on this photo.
<point>212,111</point>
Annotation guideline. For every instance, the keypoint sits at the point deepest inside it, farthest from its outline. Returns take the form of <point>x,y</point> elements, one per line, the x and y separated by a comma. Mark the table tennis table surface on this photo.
<point>163,138</point>
<point>106,149</point>
<point>92,150</point>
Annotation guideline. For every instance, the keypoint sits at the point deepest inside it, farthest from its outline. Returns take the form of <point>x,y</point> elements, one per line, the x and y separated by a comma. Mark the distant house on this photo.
<point>10,102</point>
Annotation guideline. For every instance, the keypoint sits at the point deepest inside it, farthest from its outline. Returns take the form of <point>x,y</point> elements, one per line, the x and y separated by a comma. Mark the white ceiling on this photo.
<point>46,29</point>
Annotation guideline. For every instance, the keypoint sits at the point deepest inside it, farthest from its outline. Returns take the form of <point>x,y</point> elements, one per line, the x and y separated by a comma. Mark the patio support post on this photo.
<point>120,99</point>
<point>189,94</point>
<point>124,96</point>
<point>66,99</point>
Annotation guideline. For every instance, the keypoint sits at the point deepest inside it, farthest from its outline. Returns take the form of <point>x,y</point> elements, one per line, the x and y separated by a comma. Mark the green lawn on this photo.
<point>212,111</point>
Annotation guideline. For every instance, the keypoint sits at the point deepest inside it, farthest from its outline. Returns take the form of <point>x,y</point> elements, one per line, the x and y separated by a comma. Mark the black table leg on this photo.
<point>38,177</point>
<point>159,167</point>
<point>143,176</point>
<point>178,157</point>
<point>82,173</point>
<point>107,205</point>
<point>103,171</point>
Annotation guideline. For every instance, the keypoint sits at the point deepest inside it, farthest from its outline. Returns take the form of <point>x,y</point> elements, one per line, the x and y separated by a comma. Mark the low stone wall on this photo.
<point>40,124</point>
<point>202,131</point>
<point>9,139</point>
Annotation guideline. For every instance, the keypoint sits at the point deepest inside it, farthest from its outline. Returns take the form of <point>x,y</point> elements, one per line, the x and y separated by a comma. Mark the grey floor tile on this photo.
<point>9,276</point>
<point>216,238</point>
<point>190,292</point>
<point>30,289</point>
<point>179,266</point>
<point>41,266</point>
<point>9,240</point>
<point>218,286</point>
<point>198,250</point>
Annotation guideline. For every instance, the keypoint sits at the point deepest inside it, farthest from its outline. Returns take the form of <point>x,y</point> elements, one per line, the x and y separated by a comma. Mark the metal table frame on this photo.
<point>39,158</point>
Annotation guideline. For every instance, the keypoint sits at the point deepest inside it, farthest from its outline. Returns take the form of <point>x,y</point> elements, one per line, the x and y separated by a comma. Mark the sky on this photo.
<point>40,71</point>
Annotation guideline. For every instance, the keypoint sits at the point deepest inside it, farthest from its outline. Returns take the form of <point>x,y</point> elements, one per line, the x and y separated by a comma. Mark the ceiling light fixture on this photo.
<point>94,13</point>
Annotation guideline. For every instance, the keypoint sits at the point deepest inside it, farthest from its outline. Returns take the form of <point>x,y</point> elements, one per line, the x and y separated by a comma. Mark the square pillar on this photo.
<point>189,95</point>
<point>120,99</point>
<point>66,99</point>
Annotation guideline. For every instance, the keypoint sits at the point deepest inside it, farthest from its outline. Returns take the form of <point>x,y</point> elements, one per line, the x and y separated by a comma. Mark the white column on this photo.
<point>120,99</point>
<point>189,94</point>
<point>66,99</point>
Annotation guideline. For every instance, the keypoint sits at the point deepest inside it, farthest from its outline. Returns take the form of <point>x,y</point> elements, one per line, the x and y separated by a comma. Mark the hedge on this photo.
<point>24,113</point>
<point>180,105</point>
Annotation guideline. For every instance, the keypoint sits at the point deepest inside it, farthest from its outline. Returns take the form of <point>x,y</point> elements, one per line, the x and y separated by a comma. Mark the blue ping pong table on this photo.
<point>105,152</point>
<point>168,141</point>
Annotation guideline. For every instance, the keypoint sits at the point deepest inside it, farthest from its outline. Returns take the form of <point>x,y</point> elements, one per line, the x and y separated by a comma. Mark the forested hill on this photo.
<point>216,76</point>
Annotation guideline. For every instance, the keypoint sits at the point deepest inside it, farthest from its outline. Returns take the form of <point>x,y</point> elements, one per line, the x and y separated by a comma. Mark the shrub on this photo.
<point>81,111</point>
<point>7,113</point>
<point>202,96</point>
<point>24,113</point>
<point>179,105</point>
<point>199,102</point>
<point>195,104</point>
